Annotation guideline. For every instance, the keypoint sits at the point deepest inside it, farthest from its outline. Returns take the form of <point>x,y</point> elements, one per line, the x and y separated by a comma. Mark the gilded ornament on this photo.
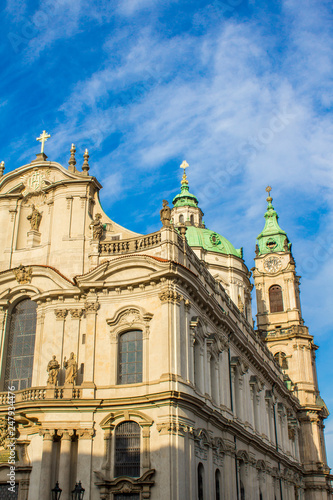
<point>23,274</point>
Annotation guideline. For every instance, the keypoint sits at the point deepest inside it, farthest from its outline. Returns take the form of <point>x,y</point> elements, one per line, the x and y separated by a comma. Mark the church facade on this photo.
<point>130,363</point>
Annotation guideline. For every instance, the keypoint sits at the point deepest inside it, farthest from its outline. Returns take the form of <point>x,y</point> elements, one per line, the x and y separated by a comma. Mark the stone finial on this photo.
<point>85,166</point>
<point>2,168</point>
<point>182,229</point>
<point>72,160</point>
<point>165,214</point>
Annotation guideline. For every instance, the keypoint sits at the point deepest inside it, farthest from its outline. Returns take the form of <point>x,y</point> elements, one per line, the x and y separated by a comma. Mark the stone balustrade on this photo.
<point>41,393</point>
<point>138,244</point>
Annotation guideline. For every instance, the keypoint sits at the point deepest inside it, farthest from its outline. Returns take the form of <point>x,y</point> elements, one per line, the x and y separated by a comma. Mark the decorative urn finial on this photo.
<point>85,166</point>
<point>2,168</point>
<point>72,160</point>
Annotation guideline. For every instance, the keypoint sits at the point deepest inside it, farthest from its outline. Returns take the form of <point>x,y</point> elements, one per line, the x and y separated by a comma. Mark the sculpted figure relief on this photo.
<point>71,369</point>
<point>53,368</point>
<point>34,218</point>
<point>165,214</point>
<point>97,227</point>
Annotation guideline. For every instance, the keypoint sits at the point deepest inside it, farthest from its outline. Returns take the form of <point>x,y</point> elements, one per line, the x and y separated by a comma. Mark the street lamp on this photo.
<point>56,492</point>
<point>78,492</point>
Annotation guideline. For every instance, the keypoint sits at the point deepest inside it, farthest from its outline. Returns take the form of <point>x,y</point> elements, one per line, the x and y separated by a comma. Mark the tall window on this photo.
<point>181,219</point>
<point>200,482</point>
<point>21,345</point>
<point>130,358</point>
<point>127,444</point>
<point>281,358</point>
<point>217,485</point>
<point>275,299</point>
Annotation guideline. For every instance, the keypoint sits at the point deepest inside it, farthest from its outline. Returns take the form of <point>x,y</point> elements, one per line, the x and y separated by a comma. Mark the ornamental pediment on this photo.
<point>124,270</point>
<point>35,178</point>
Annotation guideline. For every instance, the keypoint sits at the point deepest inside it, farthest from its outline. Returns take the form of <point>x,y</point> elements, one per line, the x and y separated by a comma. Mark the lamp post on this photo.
<point>78,492</point>
<point>56,492</point>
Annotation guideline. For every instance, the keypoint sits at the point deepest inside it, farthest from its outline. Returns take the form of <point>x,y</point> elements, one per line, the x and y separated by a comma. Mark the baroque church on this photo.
<point>130,366</point>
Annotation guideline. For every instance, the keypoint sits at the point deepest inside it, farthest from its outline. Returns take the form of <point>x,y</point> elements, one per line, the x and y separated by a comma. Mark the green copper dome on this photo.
<point>272,238</point>
<point>185,198</point>
<point>211,241</point>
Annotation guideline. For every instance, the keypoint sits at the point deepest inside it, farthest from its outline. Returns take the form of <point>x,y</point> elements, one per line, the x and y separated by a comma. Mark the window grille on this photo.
<point>127,444</point>
<point>130,358</point>
<point>5,494</point>
<point>21,345</point>
<point>275,299</point>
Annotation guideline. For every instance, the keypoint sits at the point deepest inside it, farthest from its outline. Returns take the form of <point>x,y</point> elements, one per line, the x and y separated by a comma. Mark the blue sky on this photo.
<point>240,89</point>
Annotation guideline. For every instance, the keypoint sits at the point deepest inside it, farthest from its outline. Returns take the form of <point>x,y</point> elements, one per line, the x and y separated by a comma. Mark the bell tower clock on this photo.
<point>280,324</point>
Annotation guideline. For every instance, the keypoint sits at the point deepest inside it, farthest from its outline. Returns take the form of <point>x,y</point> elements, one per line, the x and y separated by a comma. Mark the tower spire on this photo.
<point>184,180</point>
<point>272,238</point>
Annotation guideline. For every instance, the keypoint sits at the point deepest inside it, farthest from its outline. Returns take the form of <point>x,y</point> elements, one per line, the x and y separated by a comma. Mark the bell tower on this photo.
<point>276,282</point>
<point>280,324</point>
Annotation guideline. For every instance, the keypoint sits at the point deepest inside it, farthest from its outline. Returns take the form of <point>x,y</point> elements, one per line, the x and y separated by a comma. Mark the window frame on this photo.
<point>137,436</point>
<point>278,305</point>
<point>7,342</point>
<point>120,363</point>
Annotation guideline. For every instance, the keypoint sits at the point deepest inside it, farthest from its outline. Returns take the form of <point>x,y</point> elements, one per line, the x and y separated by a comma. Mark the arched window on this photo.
<point>130,357</point>
<point>21,345</point>
<point>200,482</point>
<point>275,299</point>
<point>192,219</point>
<point>217,485</point>
<point>181,219</point>
<point>281,358</point>
<point>127,449</point>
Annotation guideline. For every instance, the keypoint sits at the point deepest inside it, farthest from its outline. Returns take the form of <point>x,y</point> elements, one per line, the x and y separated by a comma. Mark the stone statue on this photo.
<point>165,214</point>
<point>34,218</point>
<point>71,369</point>
<point>53,368</point>
<point>97,227</point>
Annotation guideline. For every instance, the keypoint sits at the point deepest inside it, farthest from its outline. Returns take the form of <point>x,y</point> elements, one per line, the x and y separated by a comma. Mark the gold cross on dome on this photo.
<point>269,189</point>
<point>184,165</point>
<point>43,137</point>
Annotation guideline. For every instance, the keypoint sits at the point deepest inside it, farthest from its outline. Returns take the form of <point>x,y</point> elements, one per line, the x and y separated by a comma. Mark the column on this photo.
<point>46,467</point>
<point>3,322</point>
<point>145,447</point>
<point>65,462</point>
<point>84,456</point>
<point>88,384</point>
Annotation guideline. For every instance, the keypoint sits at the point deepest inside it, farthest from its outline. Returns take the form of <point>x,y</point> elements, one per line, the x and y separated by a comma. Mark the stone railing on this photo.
<point>41,393</point>
<point>138,244</point>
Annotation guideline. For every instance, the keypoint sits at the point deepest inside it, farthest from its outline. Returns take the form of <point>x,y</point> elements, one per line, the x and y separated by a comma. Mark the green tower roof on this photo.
<point>185,198</point>
<point>272,238</point>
